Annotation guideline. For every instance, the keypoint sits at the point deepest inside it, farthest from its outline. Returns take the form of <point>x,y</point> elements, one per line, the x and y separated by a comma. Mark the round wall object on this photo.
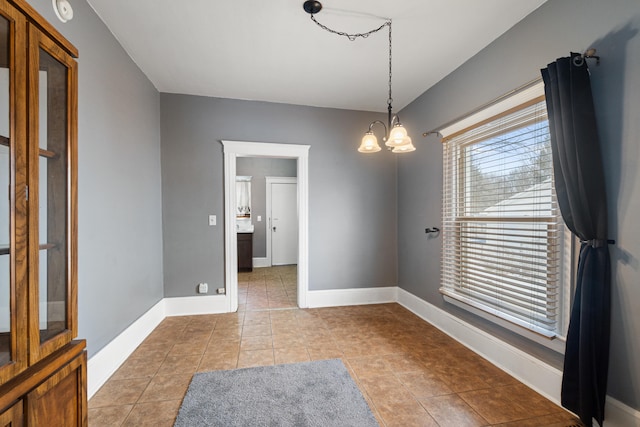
<point>63,10</point>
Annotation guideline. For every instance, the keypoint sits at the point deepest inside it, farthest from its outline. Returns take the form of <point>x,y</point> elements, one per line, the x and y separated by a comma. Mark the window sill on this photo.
<point>554,343</point>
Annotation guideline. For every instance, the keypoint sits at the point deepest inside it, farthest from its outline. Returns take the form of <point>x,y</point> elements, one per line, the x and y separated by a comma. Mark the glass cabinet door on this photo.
<point>53,203</point>
<point>12,223</point>
<point>5,210</point>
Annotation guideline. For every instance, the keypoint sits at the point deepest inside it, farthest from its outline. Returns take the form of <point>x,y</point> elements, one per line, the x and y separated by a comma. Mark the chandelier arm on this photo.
<point>351,37</point>
<point>389,121</point>
<point>379,122</point>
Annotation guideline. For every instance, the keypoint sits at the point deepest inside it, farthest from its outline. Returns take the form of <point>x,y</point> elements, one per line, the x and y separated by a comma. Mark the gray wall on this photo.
<point>259,168</point>
<point>352,197</point>
<point>119,198</point>
<point>353,238</point>
<point>558,27</point>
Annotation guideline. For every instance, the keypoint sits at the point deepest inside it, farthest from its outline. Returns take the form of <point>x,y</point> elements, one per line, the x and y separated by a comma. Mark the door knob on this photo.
<point>274,229</point>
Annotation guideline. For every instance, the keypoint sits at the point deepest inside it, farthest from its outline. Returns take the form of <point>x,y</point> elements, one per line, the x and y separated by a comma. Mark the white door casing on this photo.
<point>234,149</point>
<point>282,234</point>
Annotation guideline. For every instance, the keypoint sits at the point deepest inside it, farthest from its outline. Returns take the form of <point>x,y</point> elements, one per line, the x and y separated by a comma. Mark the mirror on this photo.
<point>243,204</point>
<point>243,197</point>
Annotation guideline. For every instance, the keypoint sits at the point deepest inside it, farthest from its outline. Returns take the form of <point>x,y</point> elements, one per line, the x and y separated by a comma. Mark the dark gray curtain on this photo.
<point>580,186</point>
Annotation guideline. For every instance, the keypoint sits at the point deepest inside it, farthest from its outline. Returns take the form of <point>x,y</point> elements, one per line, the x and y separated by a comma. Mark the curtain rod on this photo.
<point>588,54</point>
<point>436,130</point>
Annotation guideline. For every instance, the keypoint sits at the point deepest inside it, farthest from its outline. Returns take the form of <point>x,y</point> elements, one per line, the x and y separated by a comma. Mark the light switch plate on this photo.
<point>259,218</point>
<point>212,220</point>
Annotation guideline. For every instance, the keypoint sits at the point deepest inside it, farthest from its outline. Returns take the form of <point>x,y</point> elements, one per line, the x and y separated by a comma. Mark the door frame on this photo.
<point>274,180</point>
<point>234,149</point>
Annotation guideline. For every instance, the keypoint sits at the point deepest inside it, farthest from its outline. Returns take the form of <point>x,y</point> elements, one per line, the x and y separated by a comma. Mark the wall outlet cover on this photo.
<point>203,288</point>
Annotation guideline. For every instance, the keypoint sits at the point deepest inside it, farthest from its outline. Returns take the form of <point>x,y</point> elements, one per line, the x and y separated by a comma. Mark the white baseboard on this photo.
<point>357,296</point>
<point>260,262</point>
<point>105,362</point>
<point>190,306</point>
<point>540,376</point>
<point>617,414</point>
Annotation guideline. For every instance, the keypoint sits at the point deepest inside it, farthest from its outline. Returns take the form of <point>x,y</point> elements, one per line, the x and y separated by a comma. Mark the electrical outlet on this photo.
<point>203,288</point>
<point>212,220</point>
<point>221,291</point>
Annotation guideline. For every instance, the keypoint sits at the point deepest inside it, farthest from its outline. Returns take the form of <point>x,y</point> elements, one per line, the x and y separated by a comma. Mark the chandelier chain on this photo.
<point>395,134</point>
<point>354,36</point>
<point>390,100</point>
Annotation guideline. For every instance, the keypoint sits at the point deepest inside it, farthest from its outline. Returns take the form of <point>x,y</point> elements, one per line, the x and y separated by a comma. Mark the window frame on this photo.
<point>508,105</point>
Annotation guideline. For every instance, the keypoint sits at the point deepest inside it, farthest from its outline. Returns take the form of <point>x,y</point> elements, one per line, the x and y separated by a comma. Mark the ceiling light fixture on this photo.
<point>395,135</point>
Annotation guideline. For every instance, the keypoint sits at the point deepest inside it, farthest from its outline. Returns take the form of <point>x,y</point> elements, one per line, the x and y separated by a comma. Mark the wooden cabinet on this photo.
<point>62,396</point>
<point>51,392</point>
<point>12,417</point>
<point>42,371</point>
<point>245,251</point>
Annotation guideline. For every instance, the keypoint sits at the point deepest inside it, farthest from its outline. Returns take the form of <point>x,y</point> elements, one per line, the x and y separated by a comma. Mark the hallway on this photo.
<point>268,288</point>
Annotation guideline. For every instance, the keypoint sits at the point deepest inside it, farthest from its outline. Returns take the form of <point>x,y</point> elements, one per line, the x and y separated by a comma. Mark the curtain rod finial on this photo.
<point>433,132</point>
<point>591,53</point>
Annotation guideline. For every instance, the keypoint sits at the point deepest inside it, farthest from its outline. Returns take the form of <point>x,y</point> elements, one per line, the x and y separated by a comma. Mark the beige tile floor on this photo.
<point>410,373</point>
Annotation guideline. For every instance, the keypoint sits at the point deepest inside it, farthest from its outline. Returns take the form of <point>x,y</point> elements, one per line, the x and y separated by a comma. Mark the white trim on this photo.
<point>233,150</point>
<point>303,228</point>
<point>268,181</point>
<point>265,149</point>
<point>106,362</point>
<point>260,262</point>
<point>554,343</point>
<point>617,414</point>
<point>531,91</point>
<point>354,296</point>
<point>230,240</point>
<point>189,306</point>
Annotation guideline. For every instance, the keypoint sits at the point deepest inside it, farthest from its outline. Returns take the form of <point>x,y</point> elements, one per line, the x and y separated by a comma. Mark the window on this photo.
<point>506,250</point>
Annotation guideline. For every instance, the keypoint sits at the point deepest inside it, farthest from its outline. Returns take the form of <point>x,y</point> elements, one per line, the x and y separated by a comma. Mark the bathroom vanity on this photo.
<point>244,227</point>
<point>245,251</point>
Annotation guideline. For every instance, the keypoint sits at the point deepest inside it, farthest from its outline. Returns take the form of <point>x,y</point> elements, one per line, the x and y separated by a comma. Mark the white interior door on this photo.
<point>284,223</point>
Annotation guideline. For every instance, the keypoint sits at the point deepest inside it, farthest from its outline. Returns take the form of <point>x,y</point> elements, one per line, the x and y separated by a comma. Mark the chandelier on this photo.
<point>395,136</point>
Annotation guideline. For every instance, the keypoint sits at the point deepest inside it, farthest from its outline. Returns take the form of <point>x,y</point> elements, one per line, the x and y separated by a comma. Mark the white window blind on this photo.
<point>503,236</point>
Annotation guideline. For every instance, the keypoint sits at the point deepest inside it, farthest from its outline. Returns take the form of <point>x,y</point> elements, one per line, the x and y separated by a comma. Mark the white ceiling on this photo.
<point>272,51</point>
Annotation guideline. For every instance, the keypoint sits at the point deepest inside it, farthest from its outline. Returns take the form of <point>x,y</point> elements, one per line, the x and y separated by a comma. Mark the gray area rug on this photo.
<point>318,393</point>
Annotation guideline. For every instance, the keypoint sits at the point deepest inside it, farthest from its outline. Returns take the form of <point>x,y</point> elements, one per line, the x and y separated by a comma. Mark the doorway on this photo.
<point>237,149</point>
